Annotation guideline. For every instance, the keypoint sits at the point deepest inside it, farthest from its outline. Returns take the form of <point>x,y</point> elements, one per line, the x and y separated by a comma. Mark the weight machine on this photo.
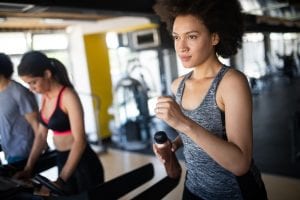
<point>131,111</point>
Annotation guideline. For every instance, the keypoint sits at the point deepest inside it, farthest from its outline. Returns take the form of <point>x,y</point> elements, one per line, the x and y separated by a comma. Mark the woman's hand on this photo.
<point>59,183</point>
<point>25,174</point>
<point>42,191</point>
<point>158,154</point>
<point>45,191</point>
<point>176,144</point>
<point>169,111</point>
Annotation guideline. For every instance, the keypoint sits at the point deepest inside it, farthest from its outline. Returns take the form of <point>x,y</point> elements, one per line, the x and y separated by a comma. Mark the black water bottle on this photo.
<point>164,145</point>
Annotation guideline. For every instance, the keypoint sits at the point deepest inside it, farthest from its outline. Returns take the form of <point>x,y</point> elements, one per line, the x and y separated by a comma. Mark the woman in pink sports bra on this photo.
<point>61,111</point>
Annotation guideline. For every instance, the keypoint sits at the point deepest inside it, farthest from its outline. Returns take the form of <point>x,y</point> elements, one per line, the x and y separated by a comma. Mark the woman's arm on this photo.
<point>75,112</point>
<point>235,97</point>
<point>177,142</point>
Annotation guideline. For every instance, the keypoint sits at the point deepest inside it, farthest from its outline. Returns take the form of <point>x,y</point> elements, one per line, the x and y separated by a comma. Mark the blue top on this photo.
<point>16,133</point>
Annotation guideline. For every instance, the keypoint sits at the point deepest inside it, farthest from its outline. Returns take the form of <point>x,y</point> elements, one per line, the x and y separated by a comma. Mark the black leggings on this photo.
<point>88,173</point>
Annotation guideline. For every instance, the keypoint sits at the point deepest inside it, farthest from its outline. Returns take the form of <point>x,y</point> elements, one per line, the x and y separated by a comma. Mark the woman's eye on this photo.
<point>175,37</point>
<point>192,37</point>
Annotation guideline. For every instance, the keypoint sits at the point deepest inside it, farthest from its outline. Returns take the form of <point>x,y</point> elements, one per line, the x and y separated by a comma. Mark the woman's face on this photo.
<point>36,84</point>
<point>194,44</point>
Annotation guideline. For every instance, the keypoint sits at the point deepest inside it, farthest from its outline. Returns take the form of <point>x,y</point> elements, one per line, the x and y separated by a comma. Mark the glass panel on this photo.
<point>13,43</point>
<point>50,41</point>
<point>254,61</point>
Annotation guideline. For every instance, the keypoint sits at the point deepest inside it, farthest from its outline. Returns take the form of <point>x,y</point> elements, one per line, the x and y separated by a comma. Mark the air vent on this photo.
<point>13,7</point>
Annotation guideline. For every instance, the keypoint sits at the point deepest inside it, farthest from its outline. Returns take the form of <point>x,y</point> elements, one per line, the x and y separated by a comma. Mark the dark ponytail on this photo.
<point>60,72</point>
<point>35,63</point>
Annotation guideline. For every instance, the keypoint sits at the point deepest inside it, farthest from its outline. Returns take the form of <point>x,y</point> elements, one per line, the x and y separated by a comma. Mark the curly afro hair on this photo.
<point>223,17</point>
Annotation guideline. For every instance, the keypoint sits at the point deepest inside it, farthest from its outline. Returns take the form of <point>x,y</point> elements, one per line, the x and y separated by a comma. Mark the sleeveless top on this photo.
<point>205,177</point>
<point>59,120</point>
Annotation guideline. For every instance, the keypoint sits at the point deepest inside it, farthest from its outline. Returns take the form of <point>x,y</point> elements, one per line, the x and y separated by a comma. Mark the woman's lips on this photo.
<point>185,58</point>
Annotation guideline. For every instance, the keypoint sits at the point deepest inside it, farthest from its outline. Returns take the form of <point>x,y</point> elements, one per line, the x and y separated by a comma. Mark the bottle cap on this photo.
<point>160,137</point>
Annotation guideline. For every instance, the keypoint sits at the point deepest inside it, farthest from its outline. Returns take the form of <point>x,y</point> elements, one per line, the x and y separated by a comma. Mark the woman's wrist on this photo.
<point>61,181</point>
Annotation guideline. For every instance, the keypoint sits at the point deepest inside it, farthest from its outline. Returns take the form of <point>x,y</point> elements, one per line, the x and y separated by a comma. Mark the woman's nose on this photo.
<point>182,46</point>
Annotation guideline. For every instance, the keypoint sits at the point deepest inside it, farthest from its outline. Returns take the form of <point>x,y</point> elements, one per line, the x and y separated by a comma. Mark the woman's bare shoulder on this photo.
<point>69,92</point>
<point>234,84</point>
<point>175,83</point>
<point>69,96</point>
<point>235,76</point>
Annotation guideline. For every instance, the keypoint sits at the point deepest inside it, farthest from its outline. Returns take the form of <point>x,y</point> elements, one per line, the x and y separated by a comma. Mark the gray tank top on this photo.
<point>206,178</point>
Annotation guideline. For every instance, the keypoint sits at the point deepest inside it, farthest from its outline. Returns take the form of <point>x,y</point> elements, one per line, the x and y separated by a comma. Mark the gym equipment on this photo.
<point>133,114</point>
<point>132,119</point>
<point>46,161</point>
<point>11,188</point>
<point>109,190</point>
<point>47,183</point>
<point>116,187</point>
<point>124,184</point>
<point>159,189</point>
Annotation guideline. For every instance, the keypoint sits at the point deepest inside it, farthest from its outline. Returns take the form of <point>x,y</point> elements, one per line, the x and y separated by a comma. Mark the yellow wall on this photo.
<point>100,79</point>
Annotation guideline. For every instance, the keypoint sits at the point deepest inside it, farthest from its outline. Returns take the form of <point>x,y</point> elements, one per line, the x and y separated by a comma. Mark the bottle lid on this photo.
<point>160,137</point>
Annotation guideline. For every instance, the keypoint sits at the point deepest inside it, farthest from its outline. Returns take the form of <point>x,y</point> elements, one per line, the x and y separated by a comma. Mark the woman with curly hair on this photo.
<point>212,109</point>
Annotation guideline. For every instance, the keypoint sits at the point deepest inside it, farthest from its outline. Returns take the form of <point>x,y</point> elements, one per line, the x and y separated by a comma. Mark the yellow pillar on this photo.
<point>100,78</point>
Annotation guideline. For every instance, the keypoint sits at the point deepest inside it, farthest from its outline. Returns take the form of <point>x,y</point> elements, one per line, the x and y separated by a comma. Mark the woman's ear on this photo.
<point>47,73</point>
<point>215,39</point>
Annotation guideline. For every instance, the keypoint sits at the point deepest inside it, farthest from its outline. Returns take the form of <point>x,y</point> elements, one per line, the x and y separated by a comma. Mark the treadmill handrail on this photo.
<point>123,184</point>
<point>159,189</point>
<point>117,187</point>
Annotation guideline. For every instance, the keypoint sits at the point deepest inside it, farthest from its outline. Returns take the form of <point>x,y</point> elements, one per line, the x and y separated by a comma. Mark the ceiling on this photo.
<point>18,15</point>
